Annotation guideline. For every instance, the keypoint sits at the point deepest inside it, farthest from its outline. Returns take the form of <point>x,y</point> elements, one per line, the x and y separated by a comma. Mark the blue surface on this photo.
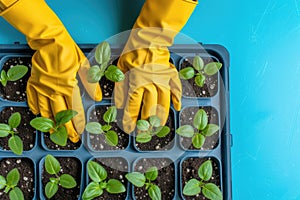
<point>263,38</point>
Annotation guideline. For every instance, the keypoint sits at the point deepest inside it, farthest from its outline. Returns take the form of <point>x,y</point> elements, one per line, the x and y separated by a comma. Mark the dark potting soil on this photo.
<point>165,179</point>
<point>189,87</point>
<point>190,170</point>
<point>187,116</point>
<point>26,169</point>
<point>69,165</point>
<point>97,142</point>
<point>25,130</point>
<point>158,144</point>
<point>16,90</point>
<point>116,168</point>
<point>51,145</point>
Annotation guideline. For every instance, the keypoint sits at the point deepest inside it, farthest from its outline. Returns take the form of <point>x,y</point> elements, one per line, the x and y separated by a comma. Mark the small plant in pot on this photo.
<point>200,75</point>
<point>10,184</point>
<point>99,176</point>
<point>199,131</point>
<point>13,77</point>
<point>58,131</point>
<point>15,143</point>
<point>204,184</point>
<point>151,136</point>
<point>103,68</point>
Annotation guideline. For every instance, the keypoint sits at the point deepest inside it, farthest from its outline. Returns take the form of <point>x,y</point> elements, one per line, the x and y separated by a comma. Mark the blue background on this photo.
<point>263,38</point>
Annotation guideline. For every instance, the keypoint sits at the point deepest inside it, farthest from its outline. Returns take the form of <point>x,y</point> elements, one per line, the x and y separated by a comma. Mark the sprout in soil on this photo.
<point>53,167</point>
<point>140,180</point>
<point>59,134</point>
<point>10,184</point>
<point>15,143</point>
<point>148,128</point>
<point>194,187</point>
<point>13,74</point>
<point>203,129</point>
<point>201,71</point>
<point>102,68</point>
<point>98,175</point>
<point>111,137</point>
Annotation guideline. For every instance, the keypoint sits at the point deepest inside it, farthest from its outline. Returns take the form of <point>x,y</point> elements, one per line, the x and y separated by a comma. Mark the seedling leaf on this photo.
<point>16,72</point>
<point>212,68</point>
<point>211,191</point>
<point>64,116</point>
<point>111,138</point>
<point>96,172</point>
<point>51,189</point>
<point>205,170</point>
<point>102,53</point>
<point>142,125</point>
<point>3,78</point>
<point>14,120</point>
<point>198,141</point>
<point>94,128</point>
<point>185,131</point>
<point>154,121</point>
<point>200,119</point>
<point>94,74</point>
<point>199,80</point>
<point>186,73</point>
<point>52,165</point>
<point>192,188</point>
<point>60,136</point>
<point>91,191</point>
<point>115,186</point>
<point>210,129</point>
<point>2,182</point>
<point>162,131</point>
<point>136,178</point>
<point>42,124</point>
<point>67,181</point>
<point>16,144</point>
<point>151,173</point>
<point>4,130</point>
<point>198,63</point>
<point>110,115</point>
<point>16,194</point>
<point>13,177</point>
<point>154,192</point>
<point>113,73</point>
<point>143,137</point>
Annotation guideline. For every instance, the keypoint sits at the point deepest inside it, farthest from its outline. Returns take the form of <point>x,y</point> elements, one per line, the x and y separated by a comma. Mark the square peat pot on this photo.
<point>27,134</point>
<point>27,170</point>
<point>189,170</point>
<point>69,165</point>
<point>14,91</point>
<point>99,142</point>
<point>158,144</point>
<point>116,168</point>
<point>166,179</point>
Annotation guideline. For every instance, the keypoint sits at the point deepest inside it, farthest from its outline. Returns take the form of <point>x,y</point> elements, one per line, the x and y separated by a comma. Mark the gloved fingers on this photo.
<point>121,92</point>
<point>74,102</point>
<point>149,101</point>
<point>58,104</point>
<point>93,89</point>
<point>45,107</point>
<point>163,108</point>
<point>32,99</point>
<point>132,109</point>
<point>176,90</point>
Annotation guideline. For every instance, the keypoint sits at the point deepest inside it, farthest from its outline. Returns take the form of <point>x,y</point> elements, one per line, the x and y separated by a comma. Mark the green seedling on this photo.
<point>59,134</point>
<point>204,129</point>
<point>98,175</point>
<point>199,71</point>
<point>148,128</point>
<point>140,180</point>
<point>209,190</point>
<point>13,74</point>
<point>15,143</point>
<point>103,68</point>
<point>111,137</point>
<point>10,184</point>
<point>53,167</point>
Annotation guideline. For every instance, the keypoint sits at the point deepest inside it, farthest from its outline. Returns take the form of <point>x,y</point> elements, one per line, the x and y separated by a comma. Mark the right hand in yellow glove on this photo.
<point>52,86</point>
<point>151,81</point>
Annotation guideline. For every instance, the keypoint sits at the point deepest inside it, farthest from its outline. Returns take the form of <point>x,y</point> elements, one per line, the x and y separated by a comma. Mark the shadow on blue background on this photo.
<point>263,38</point>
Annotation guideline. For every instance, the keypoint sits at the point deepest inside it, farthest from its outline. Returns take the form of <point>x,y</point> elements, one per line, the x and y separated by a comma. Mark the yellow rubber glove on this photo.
<point>151,81</point>
<point>52,86</point>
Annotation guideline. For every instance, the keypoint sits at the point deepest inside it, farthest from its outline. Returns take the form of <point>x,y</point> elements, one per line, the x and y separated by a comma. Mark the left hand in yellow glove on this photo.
<point>52,86</point>
<point>151,81</point>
